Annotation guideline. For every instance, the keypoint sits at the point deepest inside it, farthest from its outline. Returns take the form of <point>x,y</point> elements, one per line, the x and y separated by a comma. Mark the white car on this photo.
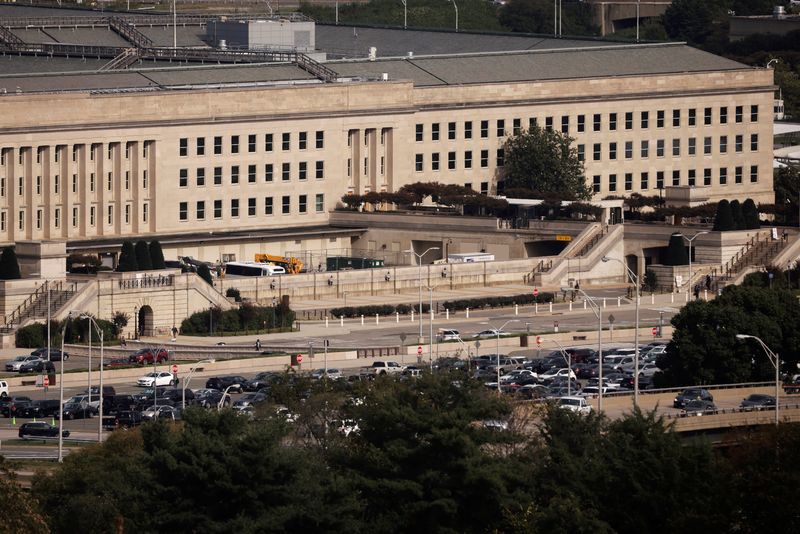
<point>488,334</point>
<point>575,404</point>
<point>161,378</point>
<point>558,373</point>
<point>332,374</point>
<point>648,369</point>
<point>517,374</point>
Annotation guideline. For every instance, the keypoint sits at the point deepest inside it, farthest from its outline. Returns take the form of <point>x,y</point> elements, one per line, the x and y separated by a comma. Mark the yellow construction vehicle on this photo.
<point>291,264</point>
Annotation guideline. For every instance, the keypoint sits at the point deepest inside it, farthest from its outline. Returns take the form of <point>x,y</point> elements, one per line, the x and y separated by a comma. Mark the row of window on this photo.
<point>93,151</point>
<point>252,207</point>
<point>253,142</point>
<point>252,173</point>
<point>660,146</point>
<point>612,121</point>
<point>419,160</point>
<point>676,179</point>
<point>37,183</point>
<point>39,216</point>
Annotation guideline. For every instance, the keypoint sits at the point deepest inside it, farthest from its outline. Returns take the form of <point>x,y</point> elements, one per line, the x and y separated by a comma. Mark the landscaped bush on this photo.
<point>246,318</point>
<point>35,335</point>
<point>233,293</point>
<point>405,309</point>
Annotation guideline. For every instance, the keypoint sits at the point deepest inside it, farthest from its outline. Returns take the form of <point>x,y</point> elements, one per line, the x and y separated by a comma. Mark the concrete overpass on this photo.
<point>613,15</point>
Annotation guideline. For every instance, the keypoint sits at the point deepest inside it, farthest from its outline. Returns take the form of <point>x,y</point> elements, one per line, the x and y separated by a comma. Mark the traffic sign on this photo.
<point>174,368</point>
<point>535,291</point>
<point>538,340</point>
<point>46,381</point>
<point>419,350</point>
<point>299,358</point>
<point>655,330</point>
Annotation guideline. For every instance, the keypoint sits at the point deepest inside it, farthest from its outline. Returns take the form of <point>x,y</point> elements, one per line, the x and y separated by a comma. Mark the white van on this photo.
<point>447,334</point>
<point>3,388</point>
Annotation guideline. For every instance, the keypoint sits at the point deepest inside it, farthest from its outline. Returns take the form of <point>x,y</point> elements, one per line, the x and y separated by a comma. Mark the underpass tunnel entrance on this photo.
<point>428,255</point>
<point>632,261</point>
<point>546,247</point>
<point>146,321</point>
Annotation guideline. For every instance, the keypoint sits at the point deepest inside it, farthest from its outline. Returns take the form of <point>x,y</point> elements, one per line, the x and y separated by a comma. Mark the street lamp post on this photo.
<point>497,332</point>
<point>598,312</point>
<point>92,323</point>
<point>224,394</point>
<point>456,8</point>
<point>61,393</point>
<point>419,274</point>
<point>430,313</point>
<point>568,358</point>
<point>188,378</point>
<point>635,281</point>
<point>774,360</point>
<point>690,239</point>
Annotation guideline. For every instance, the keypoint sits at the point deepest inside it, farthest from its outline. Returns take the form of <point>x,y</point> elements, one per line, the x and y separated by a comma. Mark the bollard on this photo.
<point>362,320</point>
<point>584,304</point>
<point>535,307</point>
<point>652,298</point>
<point>412,315</point>
<point>516,309</point>
<point>686,297</point>
<point>397,317</point>
<point>619,302</point>
<point>705,294</point>
<point>672,297</point>
<point>13,420</point>
<point>604,302</point>
<point>341,320</point>
<point>570,305</point>
<point>377,321</point>
<point>551,307</point>
<point>467,313</point>
<point>326,321</point>
<point>447,314</point>
<point>53,421</point>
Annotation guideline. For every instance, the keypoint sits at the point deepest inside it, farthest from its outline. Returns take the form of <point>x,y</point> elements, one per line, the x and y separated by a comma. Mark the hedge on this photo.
<point>34,335</point>
<point>405,309</point>
<point>246,317</point>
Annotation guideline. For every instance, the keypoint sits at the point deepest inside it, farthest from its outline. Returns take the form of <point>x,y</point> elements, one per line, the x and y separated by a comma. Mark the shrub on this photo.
<point>246,317</point>
<point>650,280</point>
<point>9,265</point>
<point>156,255</point>
<point>143,256</point>
<point>127,258</point>
<point>750,211</point>
<point>723,220</point>
<point>233,293</point>
<point>32,336</point>
<point>738,216</point>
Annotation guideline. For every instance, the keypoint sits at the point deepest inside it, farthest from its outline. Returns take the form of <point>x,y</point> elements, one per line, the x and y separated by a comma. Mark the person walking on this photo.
<point>258,345</point>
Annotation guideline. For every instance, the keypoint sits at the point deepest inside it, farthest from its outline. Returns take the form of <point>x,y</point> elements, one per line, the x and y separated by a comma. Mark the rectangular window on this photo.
<point>676,178</point>
<point>739,116</point>
<point>56,183</point>
<point>660,148</point>
<point>451,161</point>
<point>707,145</point>
<point>484,159</point>
<point>200,210</point>
<point>723,115</point>
<point>110,152</point>
<point>144,179</point>
<point>419,133</point>
<point>145,208</point>
<point>692,177</point>
<point>484,129</point>
<point>286,172</point>
<point>548,124</point>
<point>564,124</point>
<point>612,151</point>
<point>676,118</point>
<point>183,146</point>
<point>217,175</point>
<point>644,181</point>
<point>21,184</point>
<point>217,209</point>
<point>2,221</point>
<point>183,179</point>
<point>676,147</point>
<point>707,116</point>
<point>692,150</point>
<point>251,143</point>
<point>234,144</point>
<point>320,139</point>
<point>581,152</point>
<point>629,120</point>
<point>706,176</point>
<point>286,141</point>
<point>234,174</point>
<point>738,172</point>
<point>753,142</point>
<point>251,207</point>
<point>660,118</point>
<point>183,211</point>
<point>723,144</point>
<point>319,203</point>
<point>501,127</point>
<point>754,113</point>
<point>251,174</point>
<point>468,159</point>
<point>302,201</point>
<point>451,130</point>
<point>628,181</point>
<point>753,173</point>
<point>435,131</point>
<point>319,170</point>
<point>468,130</point>
<point>21,224</point>
<point>74,217</point>
<point>612,183</point>
<point>596,122</point>
<point>269,144</point>
<point>234,207</point>
<point>200,146</point>
<point>302,140</point>
<point>268,206</point>
<point>692,117</point>
<point>501,157</point>
<point>127,180</point>
<point>660,180</point>
<point>435,161</point>
<point>596,183</point>
<point>419,161</point>
<point>39,185</point>
<point>39,219</point>
<point>517,126</point>
<point>596,151</point>
<point>612,121</point>
<point>644,151</point>
<point>217,145</point>
<point>57,216</point>
<point>723,175</point>
<point>739,143</point>
<point>302,172</point>
<point>74,184</point>
<point>286,205</point>
<point>109,181</point>
<point>74,155</point>
<point>201,177</point>
<point>484,188</point>
<point>581,123</point>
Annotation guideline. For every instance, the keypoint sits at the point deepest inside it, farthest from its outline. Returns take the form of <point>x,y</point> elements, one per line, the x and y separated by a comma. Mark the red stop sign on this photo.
<point>419,350</point>
<point>538,340</point>
<point>655,330</point>
<point>535,291</point>
<point>46,381</point>
<point>174,368</point>
<point>299,358</point>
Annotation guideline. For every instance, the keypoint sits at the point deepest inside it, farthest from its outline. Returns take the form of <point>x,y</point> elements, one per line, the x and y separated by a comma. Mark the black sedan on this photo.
<point>690,394</point>
<point>699,407</point>
<point>40,430</point>
<point>37,366</point>
<point>78,410</point>
<point>55,355</point>
<point>758,401</point>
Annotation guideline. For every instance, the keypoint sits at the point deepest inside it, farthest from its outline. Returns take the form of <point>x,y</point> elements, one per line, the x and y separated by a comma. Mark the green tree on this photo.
<point>143,256</point>
<point>693,20</point>
<point>723,220</point>
<point>9,265</point>
<point>650,280</point>
<point>127,258</point>
<point>156,255</point>
<point>676,251</point>
<point>545,161</point>
<point>120,321</point>
<point>536,16</point>
<point>205,273</point>
<point>22,513</point>
<point>750,212</point>
<point>738,215</point>
<point>787,193</point>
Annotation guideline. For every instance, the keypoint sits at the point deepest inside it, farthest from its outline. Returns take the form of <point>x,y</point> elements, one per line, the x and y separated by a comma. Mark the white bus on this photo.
<point>470,257</point>
<point>251,268</point>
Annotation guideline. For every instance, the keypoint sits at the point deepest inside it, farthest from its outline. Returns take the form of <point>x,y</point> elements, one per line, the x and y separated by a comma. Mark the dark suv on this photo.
<point>690,394</point>
<point>37,366</point>
<point>55,354</point>
<point>12,404</point>
<point>235,383</point>
<point>39,408</point>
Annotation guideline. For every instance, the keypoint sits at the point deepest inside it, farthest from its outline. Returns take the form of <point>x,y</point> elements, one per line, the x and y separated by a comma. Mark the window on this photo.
<point>183,179</point>
<point>723,144</point>
<point>754,142</point>
<point>21,184</point>
<point>644,151</point>
<point>74,184</point>
<point>707,116</point>
<point>234,207</point>
<point>596,122</point>
<point>548,124</point>
<point>74,217</point>
<point>484,129</point>
<point>596,183</point>
<point>612,151</point>
<point>320,170</point>
<point>302,140</point>
<point>418,162</point>
<point>21,224</point>
<point>183,147</point>
<point>723,115</point>
<point>419,133</point>
<point>200,146</point>
<point>110,152</point>
<point>692,146</point>
<point>127,181</point>
<point>144,179</point>
<point>435,161</point>
<point>581,123</point>
<point>302,201</point>
<point>517,126</point>
<point>286,205</point>
<point>366,166</point>
<point>484,159</point>
<point>676,118</point>
<point>644,182</point>
<point>468,159</point>
<point>660,118</point>
<point>739,143</point>
<point>738,174</point>
<point>753,173</point>
<point>251,174</point>
<point>109,181</point>
<point>39,185</point>
<point>754,113</point>
<point>676,178</point>
<point>201,177</point>
<point>251,207</point>
<point>468,130</point>
<point>57,216</point>
<point>286,172</point>
<point>145,211</point>
<point>451,161</point>
<point>660,180</point>
<point>217,209</point>
<point>286,141</point>
<point>532,123</point>
<point>484,188</point>
<point>183,211</point>
<point>319,203</point>
<point>200,209</point>
<point>217,146</point>
<point>235,174</point>
<point>451,130</point>
<point>723,175</point>
<point>2,221</point>
<point>612,182</point>
<point>676,147</point>
<point>56,183</point>
<point>269,142</point>
<point>501,157</point>
<point>628,181</point>
<point>501,127</point>
<point>581,152</point>
<point>612,121</point>
<point>302,172</point>
<point>692,117</point>
<point>234,144</point>
<point>692,176</point>
<point>739,115</point>
<point>267,205</point>
<point>596,150</point>
<point>435,131</point>
<point>629,120</point>
<point>706,176</point>
<point>251,143</point>
<point>320,139</point>
<point>564,123</point>
<point>74,155</point>
<point>39,219</point>
<point>660,148</point>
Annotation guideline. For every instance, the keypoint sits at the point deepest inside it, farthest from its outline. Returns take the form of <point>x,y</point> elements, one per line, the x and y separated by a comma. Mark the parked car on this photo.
<point>533,391</point>
<point>557,373</point>
<point>648,369</point>
<point>114,404</point>
<point>249,399</point>
<point>690,394</point>
<point>757,401</point>
<point>129,419</point>
<point>699,407</point>
<point>94,391</point>
<point>55,354</point>
<point>40,430</point>
<point>147,395</point>
<point>176,396</point>
<point>147,355</point>
<point>16,363</point>
<point>262,380</point>
<point>161,412</point>
<point>160,378</point>
<point>209,398</point>
<point>8,402</point>
<point>37,366</point>
<point>488,334</point>
<point>575,404</point>
<point>448,334</point>
<point>39,408</point>
<point>79,410</point>
<point>331,373</point>
<point>235,383</point>
<point>382,367</point>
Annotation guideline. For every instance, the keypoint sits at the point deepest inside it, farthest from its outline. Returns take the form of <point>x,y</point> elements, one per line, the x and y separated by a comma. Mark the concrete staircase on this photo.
<point>757,253</point>
<point>35,306</point>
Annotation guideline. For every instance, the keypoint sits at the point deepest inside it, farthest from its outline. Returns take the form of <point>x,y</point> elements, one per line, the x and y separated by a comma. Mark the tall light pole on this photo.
<point>690,239</point>
<point>419,271</point>
<point>455,6</point>
<point>61,393</point>
<point>774,360</point>
<point>497,332</point>
<point>93,323</point>
<point>635,281</point>
<point>405,14</point>
<point>430,344</point>
<point>567,358</point>
<point>186,380</point>
<point>598,312</point>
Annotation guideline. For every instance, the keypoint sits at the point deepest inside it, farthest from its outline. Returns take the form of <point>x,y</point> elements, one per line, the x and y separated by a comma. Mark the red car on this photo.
<point>146,356</point>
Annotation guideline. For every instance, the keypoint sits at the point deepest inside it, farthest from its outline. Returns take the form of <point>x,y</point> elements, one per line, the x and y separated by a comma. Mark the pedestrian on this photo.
<point>697,291</point>
<point>330,281</point>
<point>174,333</point>
<point>708,282</point>
<point>274,301</point>
<point>258,345</point>
<point>388,276</point>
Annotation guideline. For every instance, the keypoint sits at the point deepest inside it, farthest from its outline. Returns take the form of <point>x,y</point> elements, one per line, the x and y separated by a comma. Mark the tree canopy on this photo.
<point>127,258</point>
<point>544,160</point>
<point>9,265</point>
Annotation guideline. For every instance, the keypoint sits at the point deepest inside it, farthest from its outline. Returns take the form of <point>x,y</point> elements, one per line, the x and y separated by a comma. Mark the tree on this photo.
<point>787,193</point>
<point>750,212</point>
<point>127,258</point>
<point>676,251</point>
<point>546,161</point>
<point>22,510</point>
<point>143,256</point>
<point>205,273</point>
<point>120,320</point>
<point>650,280</point>
<point>693,20</point>
<point>536,16</point>
<point>156,255</point>
<point>352,201</point>
<point>9,265</point>
<point>738,215</point>
<point>723,220</point>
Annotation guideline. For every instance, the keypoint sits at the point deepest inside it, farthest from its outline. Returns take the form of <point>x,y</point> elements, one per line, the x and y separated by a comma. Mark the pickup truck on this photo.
<point>791,385</point>
<point>383,367</point>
